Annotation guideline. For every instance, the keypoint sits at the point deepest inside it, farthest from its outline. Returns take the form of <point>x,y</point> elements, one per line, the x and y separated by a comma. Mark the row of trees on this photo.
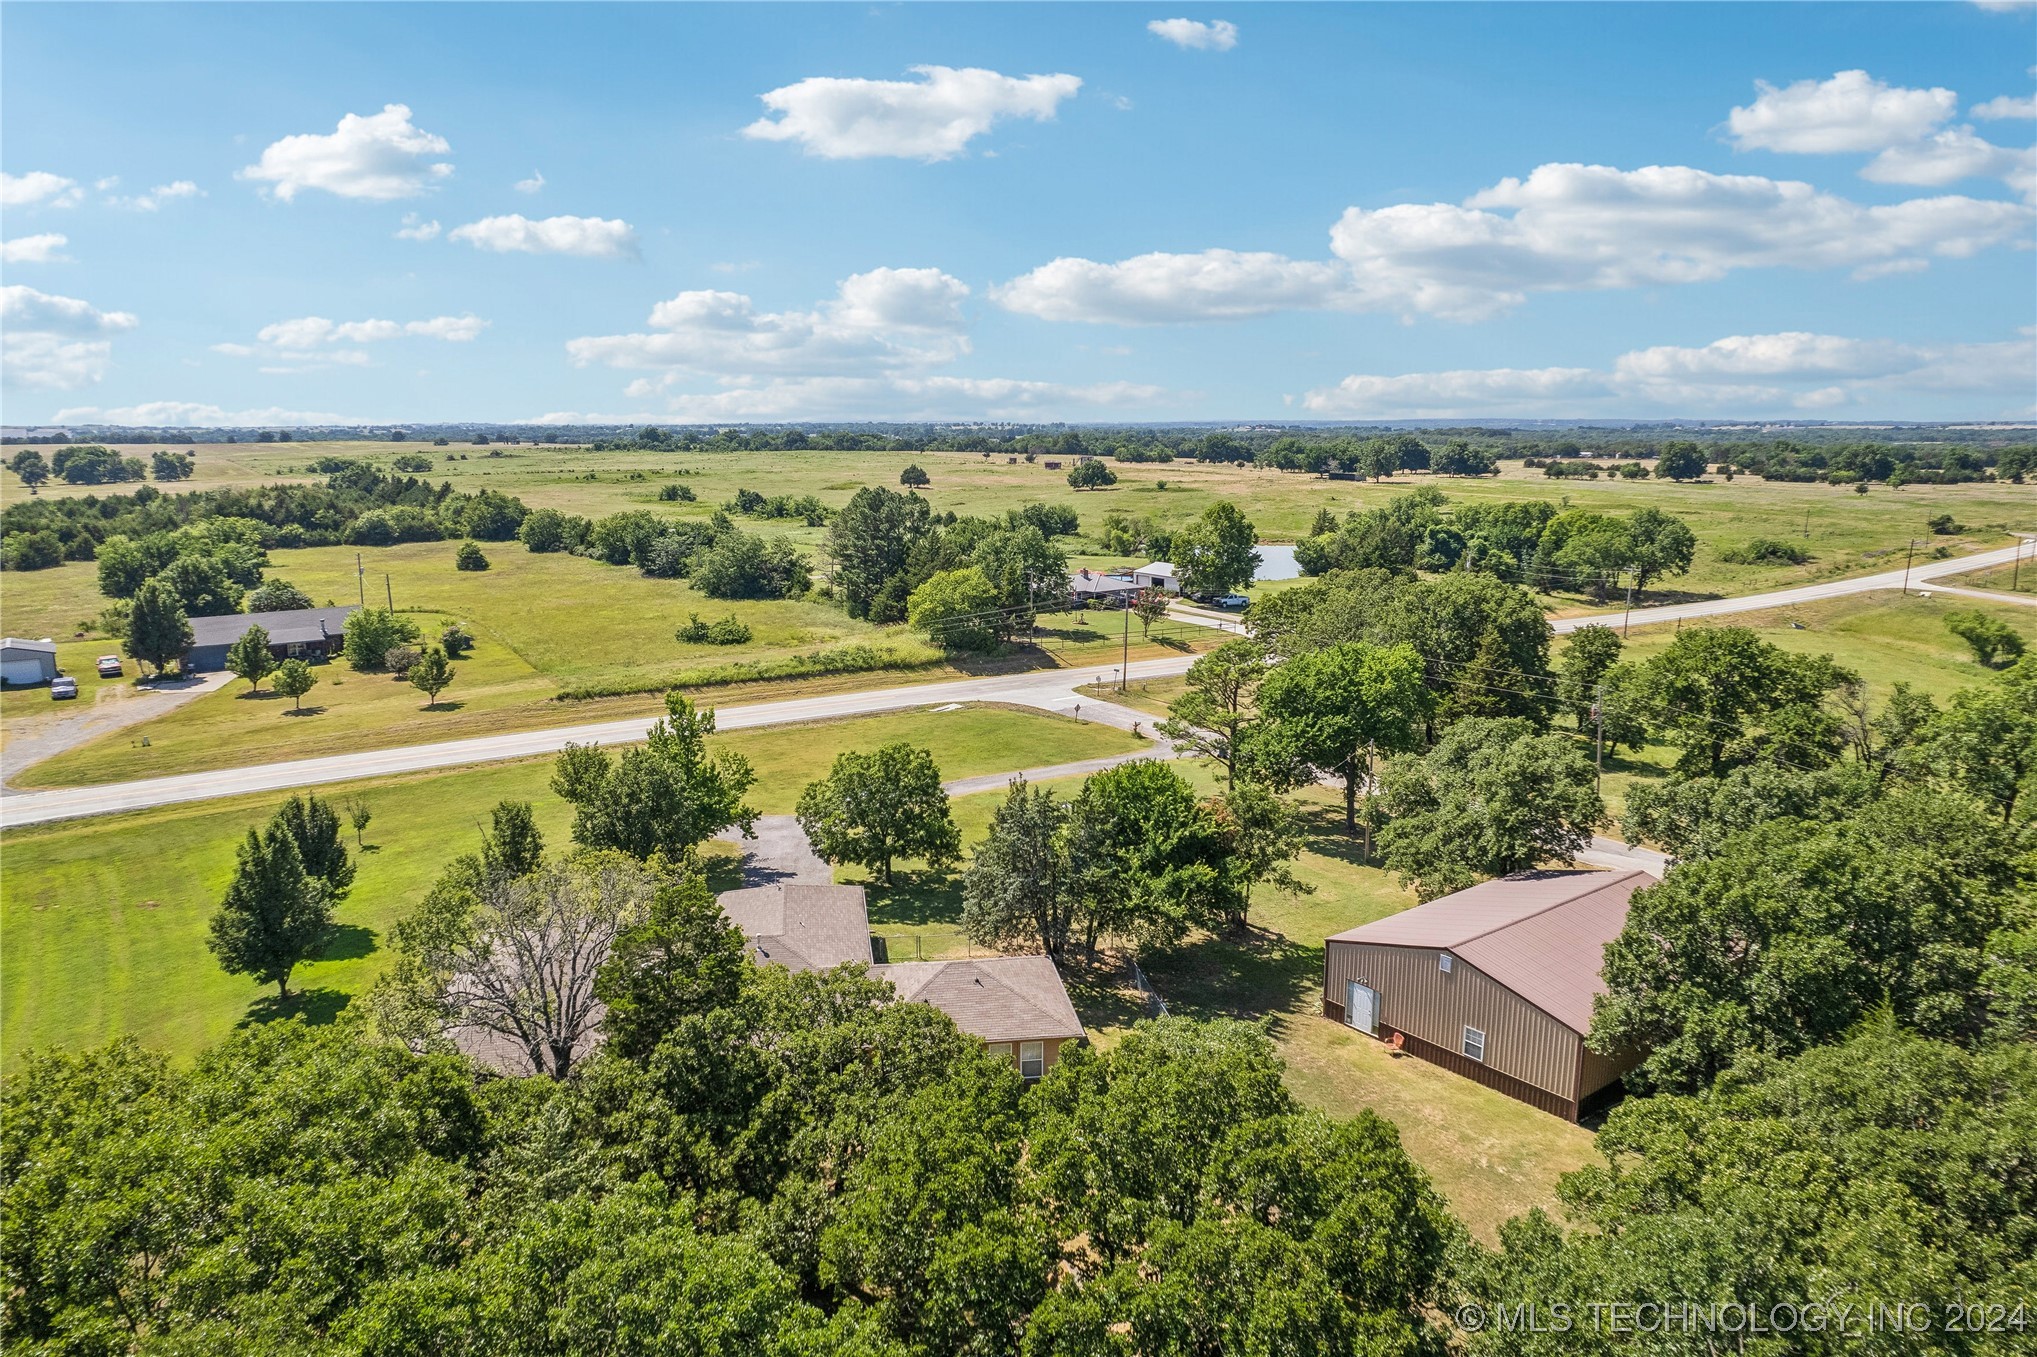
<point>1568,550</point>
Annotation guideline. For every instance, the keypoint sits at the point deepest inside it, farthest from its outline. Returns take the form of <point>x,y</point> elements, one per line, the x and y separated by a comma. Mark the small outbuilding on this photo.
<point>1157,575</point>
<point>27,662</point>
<point>1495,983</point>
<point>298,634</point>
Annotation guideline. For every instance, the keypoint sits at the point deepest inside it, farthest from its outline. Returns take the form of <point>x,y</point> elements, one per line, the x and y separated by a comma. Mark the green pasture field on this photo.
<point>542,623</point>
<point>103,921</point>
<point>1843,527</point>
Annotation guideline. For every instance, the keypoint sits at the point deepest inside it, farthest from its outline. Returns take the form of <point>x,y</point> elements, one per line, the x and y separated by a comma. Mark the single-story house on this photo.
<point>1016,1005</point>
<point>801,927</point>
<point>25,662</point>
<point>1086,585</point>
<point>1157,575</point>
<point>300,633</point>
<point>1494,983</point>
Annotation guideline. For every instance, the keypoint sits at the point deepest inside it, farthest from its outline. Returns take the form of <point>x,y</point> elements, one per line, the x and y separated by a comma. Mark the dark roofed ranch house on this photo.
<point>298,634</point>
<point>1494,983</point>
<point>1015,1005</point>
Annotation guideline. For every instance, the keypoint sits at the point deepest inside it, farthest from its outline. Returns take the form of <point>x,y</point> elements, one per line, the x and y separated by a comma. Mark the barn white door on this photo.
<point>1361,1008</point>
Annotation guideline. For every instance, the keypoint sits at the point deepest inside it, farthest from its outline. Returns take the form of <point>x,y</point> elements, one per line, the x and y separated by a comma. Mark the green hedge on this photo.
<point>854,659</point>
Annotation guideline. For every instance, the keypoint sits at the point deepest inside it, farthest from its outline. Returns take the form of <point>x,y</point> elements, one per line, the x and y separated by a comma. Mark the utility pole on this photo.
<point>1598,719</point>
<point>361,578</point>
<point>389,590</point>
<point>1627,623</point>
<point>1125,660</point>
<point>1807,525</point>
<point>1911,556</point>
<point>2016,571</point>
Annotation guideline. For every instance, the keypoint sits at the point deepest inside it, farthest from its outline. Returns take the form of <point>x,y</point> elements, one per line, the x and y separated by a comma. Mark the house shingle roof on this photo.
<point>1541,934</point>
<point>295,625</point>
<point>999,998</point>
<point>802,928</point>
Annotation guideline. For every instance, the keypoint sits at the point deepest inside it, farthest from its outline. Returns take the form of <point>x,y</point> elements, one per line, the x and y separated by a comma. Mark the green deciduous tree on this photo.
<point>275,915</point>
<point>295,678</point>
<point>1680,461</point>
<point>314,826</point>
<point>1216,553</point>
<point>276,596</point>
<point>1588,656</point>
<point>1091,474</point>
<point>871,539</point>
<point>873,808</point>
<point>1785,935</point>
<point>1723,693</point>
<point>1264,835</point>
<point>249,657</point>
<point>1020,887</point>
<point>29,465</point>
<point>666,797</point>
<point>681,959</point>
<point>1147,859</point>
<point>1492,797</point>
<point>1339,709</point>
<point>1989,637</point>
<point>1216,713</point>
<point>914,476</point>
<point>158,631</point>
<point>432,674</point>
<point>371,633</point>
<point>958,609</point>
<point>1985,743</point>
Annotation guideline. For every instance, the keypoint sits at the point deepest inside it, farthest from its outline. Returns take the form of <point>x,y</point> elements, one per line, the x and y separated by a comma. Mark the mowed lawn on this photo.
<point>540,622</point>
<point>103,921</point>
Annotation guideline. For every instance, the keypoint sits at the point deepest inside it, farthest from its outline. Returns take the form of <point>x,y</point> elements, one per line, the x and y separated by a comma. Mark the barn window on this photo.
<point>1474,1043</point>
<point>1443,963</point>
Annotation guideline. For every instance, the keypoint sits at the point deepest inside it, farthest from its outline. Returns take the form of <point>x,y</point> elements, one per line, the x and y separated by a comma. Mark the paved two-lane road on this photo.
<point>1051,689</point>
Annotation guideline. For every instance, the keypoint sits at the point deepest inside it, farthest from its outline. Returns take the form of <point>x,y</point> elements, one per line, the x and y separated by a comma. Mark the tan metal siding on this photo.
<point>1601,1070</point>
<point>1418,997</point>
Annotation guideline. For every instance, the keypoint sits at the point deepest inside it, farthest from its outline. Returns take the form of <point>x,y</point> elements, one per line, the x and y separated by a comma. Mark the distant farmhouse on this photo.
<point>1494,983</point>
<point>1015,1005</point>
<point>1087,586</point>
<point>302,633</point>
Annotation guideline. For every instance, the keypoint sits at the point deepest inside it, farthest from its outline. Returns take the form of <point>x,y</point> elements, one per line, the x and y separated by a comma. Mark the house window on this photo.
<point>1001,1049</point>
<point>1474,1044</point>
<point>1032,1059</point>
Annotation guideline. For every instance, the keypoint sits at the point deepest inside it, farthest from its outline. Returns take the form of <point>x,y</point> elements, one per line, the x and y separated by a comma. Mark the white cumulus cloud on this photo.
<point>532,184</point>
<point>39,186</point>
<point>157,196</point>
<point>883,319</point>
<point>1792,373</point>
<point>309,332</point>
<point>380,156</point>
<point>191,414</point>
<point>932,118</point>
<point>1564,228</point>
<point>587,237</point>
<point>417,228</point>
<point>1850,112</point>
<point>1952,155</point>
<point>2006,106</point>
<point>55,343</point>
<point>1221,35</point>
<point>46,248</point>
<point>1159,288</point>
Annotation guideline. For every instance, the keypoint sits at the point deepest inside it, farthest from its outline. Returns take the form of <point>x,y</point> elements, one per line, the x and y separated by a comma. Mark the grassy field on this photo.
<point>102,921</point>
<point>1843,528</point>
<point>2007,578</point>
<point>541,622</point>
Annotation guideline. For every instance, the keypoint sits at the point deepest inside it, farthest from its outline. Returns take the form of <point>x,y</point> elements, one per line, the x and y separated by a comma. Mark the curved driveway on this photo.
<point>1051,690</point>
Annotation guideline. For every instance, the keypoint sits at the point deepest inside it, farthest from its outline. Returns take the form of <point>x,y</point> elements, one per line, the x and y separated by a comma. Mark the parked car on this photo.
<point>109,666</point>
<point>63,686</point>
<point>1232,601</point>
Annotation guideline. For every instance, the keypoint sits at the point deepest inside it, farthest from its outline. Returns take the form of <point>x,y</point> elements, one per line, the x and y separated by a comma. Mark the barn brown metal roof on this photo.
<point>1541,934</point>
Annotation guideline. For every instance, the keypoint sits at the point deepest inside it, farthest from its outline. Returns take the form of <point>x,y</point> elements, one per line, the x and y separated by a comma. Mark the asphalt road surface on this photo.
<point>1051,690</point>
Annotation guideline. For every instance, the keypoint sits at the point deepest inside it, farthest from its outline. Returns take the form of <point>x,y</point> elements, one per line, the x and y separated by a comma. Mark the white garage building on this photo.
<point>26,662</point>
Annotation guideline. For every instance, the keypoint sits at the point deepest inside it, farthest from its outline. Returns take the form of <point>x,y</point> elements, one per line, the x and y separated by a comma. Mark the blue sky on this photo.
<point>276,213</point>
